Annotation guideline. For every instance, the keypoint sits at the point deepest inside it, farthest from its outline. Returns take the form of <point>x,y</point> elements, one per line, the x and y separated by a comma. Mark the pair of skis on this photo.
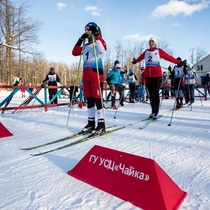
<point>147,121</point>
<point>86,138</point>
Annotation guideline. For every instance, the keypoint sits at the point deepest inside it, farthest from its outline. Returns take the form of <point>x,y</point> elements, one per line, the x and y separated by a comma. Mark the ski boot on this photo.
<point>89,127</point>
<point>155,116</point>
<point>151,115</point>
<point>100,129</point>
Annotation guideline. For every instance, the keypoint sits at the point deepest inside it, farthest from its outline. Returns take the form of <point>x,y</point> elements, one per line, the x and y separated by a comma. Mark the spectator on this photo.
<point>52,79</point>
<point>206,83</point>
<point>132,85</point>
<point>23,91</point>
<point>164,85</point>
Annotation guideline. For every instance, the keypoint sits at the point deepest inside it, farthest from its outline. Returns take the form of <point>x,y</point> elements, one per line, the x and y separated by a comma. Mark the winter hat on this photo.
<point>153,39</point>
<point>117,66</point>
<point>116,62</point>
<point>179,58</point>
<point>130,71</point>
<point>92,27</point>
<point>190,65</point>
<point>51,69</point>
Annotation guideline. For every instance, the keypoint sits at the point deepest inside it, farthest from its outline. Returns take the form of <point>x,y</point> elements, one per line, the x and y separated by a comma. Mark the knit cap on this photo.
<point>130,70</point>
<point>153,39</point>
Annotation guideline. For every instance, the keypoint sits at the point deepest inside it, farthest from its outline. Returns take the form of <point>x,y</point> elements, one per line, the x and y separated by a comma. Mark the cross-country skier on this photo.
<point>178,81</point>
<point>190,81</point>
<point>153,72</point>
<point>115,83</point>
<point>132,85</point>
<point>93,78</point>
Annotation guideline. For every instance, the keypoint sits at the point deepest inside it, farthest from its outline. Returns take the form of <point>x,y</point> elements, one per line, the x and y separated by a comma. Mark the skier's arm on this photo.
<point>46,79</point>
<point>77,50</point>
<point>168,57</point>
<point>57,79</point>
<point>140,58</point>
<point>110,74</point>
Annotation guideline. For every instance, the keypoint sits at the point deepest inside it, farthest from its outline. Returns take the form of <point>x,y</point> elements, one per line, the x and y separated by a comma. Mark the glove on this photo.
<point>134,61</point>
<point>81,39</point>
<point>84,36</point>
<point>169,68</point>
<point>43,85</point>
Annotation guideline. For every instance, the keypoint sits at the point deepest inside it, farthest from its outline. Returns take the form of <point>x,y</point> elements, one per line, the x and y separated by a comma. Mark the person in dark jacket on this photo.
<point>132,84</point>
<point>52,78</point>
<point>178,80</point>
<point>206,82</point>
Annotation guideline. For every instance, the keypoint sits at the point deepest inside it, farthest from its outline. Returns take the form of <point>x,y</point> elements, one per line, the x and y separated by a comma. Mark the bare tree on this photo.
<point>196,54</point>
<point>119,52</point>
<point>200,53</point>
<point>16,30</point>
<point>163,44</point>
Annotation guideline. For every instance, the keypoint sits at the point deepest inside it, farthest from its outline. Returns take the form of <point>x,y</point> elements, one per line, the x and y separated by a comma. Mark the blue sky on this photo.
<point>182,24</point>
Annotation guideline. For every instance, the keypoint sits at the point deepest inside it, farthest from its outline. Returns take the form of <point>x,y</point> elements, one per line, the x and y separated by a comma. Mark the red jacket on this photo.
<point>77,50</point>
<point>155,71</point>
<point>92,64</point>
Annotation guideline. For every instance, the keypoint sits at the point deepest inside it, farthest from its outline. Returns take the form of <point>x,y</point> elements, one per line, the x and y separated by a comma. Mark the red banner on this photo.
<point>139,180</point>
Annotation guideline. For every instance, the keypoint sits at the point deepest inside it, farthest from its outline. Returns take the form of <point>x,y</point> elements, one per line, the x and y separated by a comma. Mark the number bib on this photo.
<point>131,79</point>
<point>89,57</point>
<point>152,58</point>
<point>190,75</point>
<point>178,72</point>
<point>52,78</point>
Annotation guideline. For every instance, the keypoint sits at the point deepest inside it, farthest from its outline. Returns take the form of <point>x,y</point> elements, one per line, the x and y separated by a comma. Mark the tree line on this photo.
<point>18,58</point>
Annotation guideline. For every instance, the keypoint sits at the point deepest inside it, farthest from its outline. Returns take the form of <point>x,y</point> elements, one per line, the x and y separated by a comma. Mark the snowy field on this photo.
<point>42,183</point>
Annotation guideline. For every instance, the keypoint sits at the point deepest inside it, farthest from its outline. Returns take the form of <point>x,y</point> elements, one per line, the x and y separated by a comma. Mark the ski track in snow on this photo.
<point>27,182</point>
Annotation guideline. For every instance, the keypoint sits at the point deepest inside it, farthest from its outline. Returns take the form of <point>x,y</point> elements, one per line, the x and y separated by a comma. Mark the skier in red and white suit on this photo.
<point>153,72</point>
<point>93,78</point>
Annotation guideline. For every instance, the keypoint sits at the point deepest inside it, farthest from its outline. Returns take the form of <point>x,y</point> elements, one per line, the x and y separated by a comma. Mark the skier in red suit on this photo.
<point>153,72</point>
<point>93,77</point>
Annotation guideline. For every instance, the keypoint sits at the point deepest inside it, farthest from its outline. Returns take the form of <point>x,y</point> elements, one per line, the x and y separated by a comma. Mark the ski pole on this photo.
<point>200,97</point>
<point>161,102</point>
<point>99,83</point>
<point>176,95</point>
<point>77,76</point>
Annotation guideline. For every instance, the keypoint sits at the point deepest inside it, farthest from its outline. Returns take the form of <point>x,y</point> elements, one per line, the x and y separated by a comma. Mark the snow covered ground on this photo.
<point>33,183</point>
